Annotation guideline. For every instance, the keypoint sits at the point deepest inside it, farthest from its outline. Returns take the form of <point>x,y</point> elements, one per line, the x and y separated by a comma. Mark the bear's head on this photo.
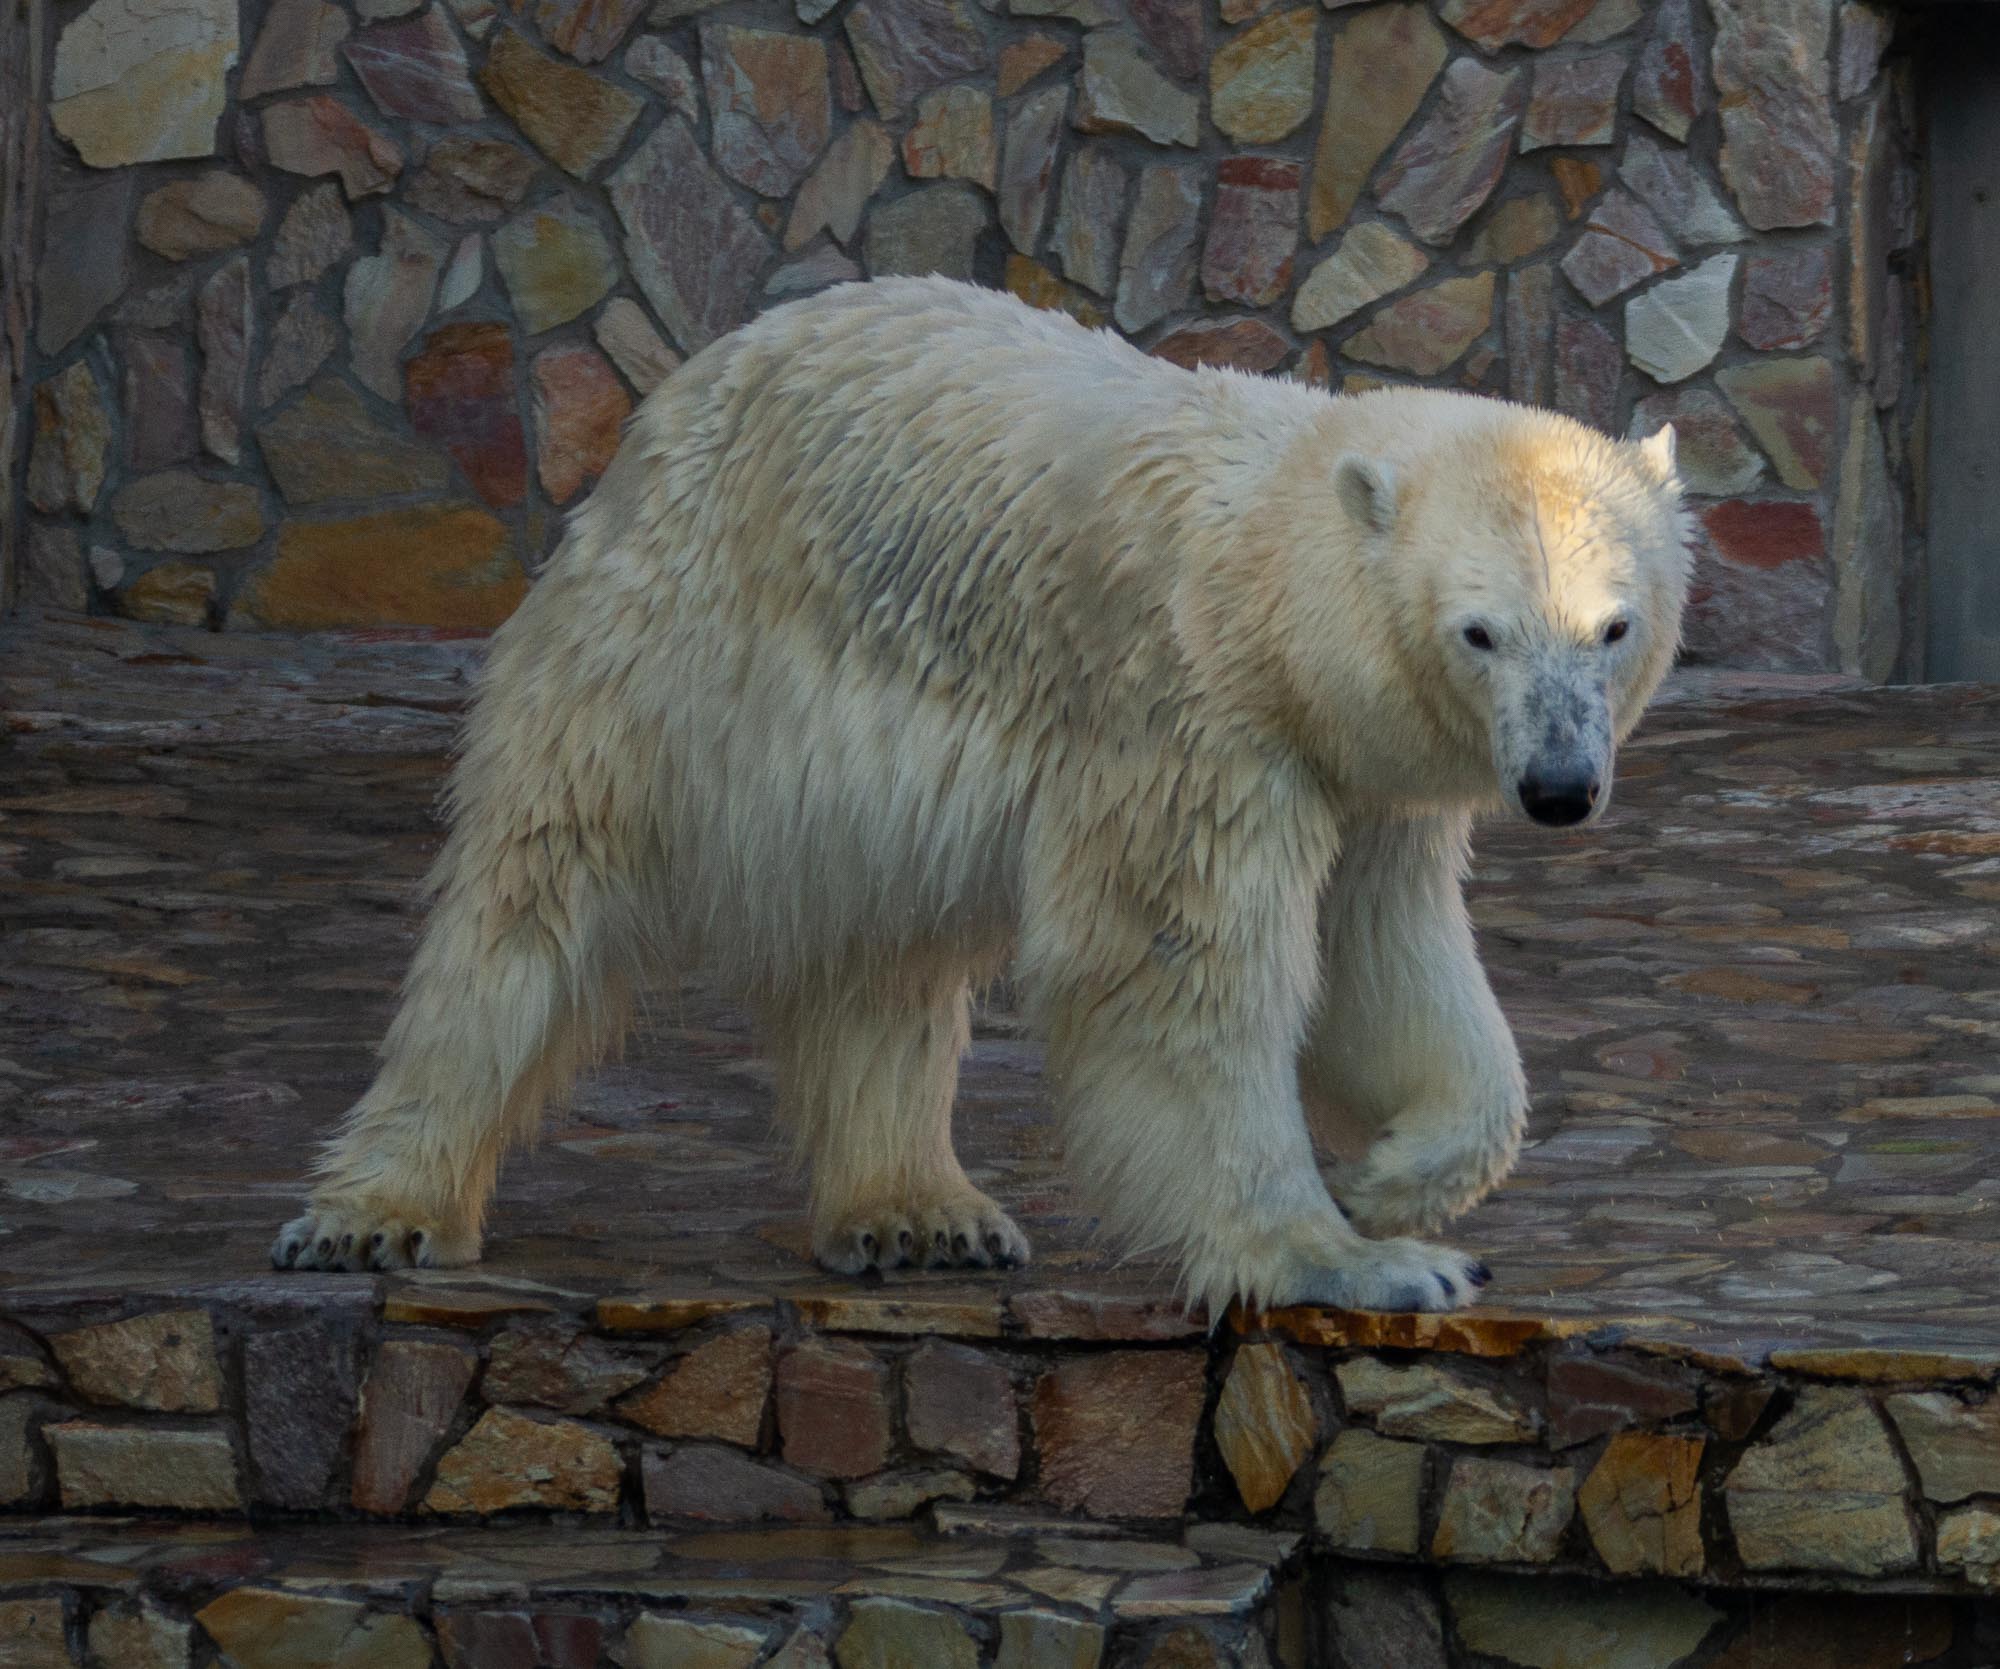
<point>1529,574</point>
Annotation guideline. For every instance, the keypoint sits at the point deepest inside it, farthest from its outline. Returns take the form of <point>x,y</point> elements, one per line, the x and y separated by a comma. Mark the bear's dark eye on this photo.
<point>1616,630</point>
<point>1479,637</point>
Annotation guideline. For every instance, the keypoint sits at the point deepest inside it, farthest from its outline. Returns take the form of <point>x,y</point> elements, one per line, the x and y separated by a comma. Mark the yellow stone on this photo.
<point>1261,83</point>
<point>143,82</point>
<point>171,594</point>
<point>164,1361</point>
<point>261,1628</point>
<point>1039,287</point>
<point>438,565</point>
<point>508,1460</point>
<point>1517,228</point>
<point>441,1307</point>
<point>1642,1505</point>
<point>665,1315</point>
<point>1264,1424</point>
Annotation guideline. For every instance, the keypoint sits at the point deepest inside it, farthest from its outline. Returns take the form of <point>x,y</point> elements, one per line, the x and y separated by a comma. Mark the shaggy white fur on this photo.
<point>914,635</point>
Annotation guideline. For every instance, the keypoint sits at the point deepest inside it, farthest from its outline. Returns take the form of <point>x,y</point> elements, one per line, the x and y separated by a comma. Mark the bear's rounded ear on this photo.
<point>1659,455</point>
<point>1367,491</point>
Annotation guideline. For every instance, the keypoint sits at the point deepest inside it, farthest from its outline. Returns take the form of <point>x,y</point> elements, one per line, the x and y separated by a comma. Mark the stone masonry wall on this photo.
<point>21,30</point>
<point>341,302</point>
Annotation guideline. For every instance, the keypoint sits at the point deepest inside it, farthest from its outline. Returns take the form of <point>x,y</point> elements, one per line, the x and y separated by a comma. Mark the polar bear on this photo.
<point>914,635</point>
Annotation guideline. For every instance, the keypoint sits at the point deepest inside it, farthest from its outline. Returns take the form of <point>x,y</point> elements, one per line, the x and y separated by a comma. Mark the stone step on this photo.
<point>973,1586</point>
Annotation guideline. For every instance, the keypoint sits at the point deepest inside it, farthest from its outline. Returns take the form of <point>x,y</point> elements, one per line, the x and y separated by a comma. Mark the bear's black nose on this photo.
<point>1558,801</point>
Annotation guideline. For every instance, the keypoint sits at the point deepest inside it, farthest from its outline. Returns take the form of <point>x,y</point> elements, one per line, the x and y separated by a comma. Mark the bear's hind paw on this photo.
<point>967,1231</point>
<point>354,1235</point>
<point>1396,1275</point>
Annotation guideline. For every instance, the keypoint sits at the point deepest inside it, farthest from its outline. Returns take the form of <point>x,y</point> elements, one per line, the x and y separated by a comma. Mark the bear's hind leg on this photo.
<point>867,1068</point>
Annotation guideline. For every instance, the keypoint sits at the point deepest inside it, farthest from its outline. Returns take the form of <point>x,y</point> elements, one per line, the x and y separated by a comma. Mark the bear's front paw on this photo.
<point>1394,1275</point>
<point>361,1234</point>
<point>963,1230</point>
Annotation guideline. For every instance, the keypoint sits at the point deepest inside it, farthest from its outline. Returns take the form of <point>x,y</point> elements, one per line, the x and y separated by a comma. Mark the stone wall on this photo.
<point>21,30</point>
<point>341,302</point>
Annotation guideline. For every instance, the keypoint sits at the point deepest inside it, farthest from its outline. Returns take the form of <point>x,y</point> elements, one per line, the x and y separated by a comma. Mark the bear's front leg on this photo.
<point>1408,1051</point>
<point>1173,1061</point>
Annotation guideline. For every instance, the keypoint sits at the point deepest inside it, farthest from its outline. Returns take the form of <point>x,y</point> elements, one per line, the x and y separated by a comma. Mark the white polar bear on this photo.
<point>914,634</point>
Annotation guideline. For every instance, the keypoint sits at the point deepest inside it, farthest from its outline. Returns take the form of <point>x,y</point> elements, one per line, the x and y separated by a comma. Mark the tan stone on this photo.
<point>888,1634</point>
<point>1022,60</point>
<point>1968,1542</point>
<point>1642,1505</point>
<point>262,1628</point>
<point>580,412</point>
<point>1791,406</point>
<point>165,1360</point>
<point>659,1642</point>
<point>1119,91</point>
<point>1370,1493</point>
<point>139,1638</point>
<point>72,440</point>
<point>1367,264</point>
<point>575,119</point>
<point>212,211</point>
<point>170,594</point>
<point>144,1466</point>
<point>508,1460</point>
<point>33,1632</point>
<point>1954,1445</point>
<point>836,195</point>
<point>719,1389</point>
<point>1577,1625</point>
<point>319,135</point>
<point>638,350</point>
<point>1264,1424</point>
<point>142,80</point>
<point>899,1495</point>
<point>1428,330</point>
<point>1822,1491</point>
<point>297,47</point>
<point>1426,1401</point>
<point>1260,84</point>
<point>1038,287</point>
<point>1517,228</point>
<point>1501,1512</point>
<point>329,444</point>
<point>435,565</point>
<point>769,107</point>
<point>1048,1640</point>
<point>1116,1432</point>
<point>556,263</point>
<point>1384,60</point>
<point>952,137</point>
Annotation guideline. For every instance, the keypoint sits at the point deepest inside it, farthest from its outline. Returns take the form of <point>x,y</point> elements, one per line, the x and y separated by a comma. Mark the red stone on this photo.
<point>1253,231</point>
<point>416,68</point>
<point>1765,533</point>
<point>833,1408</point>
<point>1116,1432</point>
<point>1588,364</point>
<point>1172,28</point>
<point>568,1641</point>
<point>959,1401</point>
<point>460,391</point>
<point>488,1640</point>
<point>724,1487</point>
<point>1787,298</point>
<point>1244,344</point>
<point>1667,88</point>
<point>1497,23</point>
<point>407,1404</point>
<point>1589,1397</point>
<point>580,412</point>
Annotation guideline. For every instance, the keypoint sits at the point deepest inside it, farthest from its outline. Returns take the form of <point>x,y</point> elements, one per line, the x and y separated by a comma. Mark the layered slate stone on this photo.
<point>1823,1491</point>
<point>1641,1504</point>
<point>1427,330</point>
<point>387,297</point>
<point>319,135</point>
<point>904,48</point>
<point>1665,180</point>
<point>1370,1493</point>
<point>1586,365</point>
<point>300,1392</point>
<point>1120,91</point>
<point>298,46</point>
<point>1669,88</point>
<point>1264,1424</point>
<point>833,1409</point>
<point>884,1633</point>
<point>416,69</point>
<point>1568,1625</point>
<point>934,229</point>
<point>223,323</point>
<point>554,1366</point>
<point>460,394</point>
<point>575,119</point>
<point>952,138</point>
<point>139,1637</point>
<point>1028,166</point>
<point>1427,1401</point>
<point>1792,407</point>
<point>71,441</point>
<point>1115,1432</point>
<point>471,180</point>
<point>1677,327</point>
<point>1503,1512</point>
<point>1779,142</point>
<point>1622,244</point>
<point>718,1390</point>
<point>556,264</point>
<point>1868,614</point>
<point>638,350</point>
<point>509,1460</point>
<point>1089,218</point>
<point>1787,298</point>
<point>695,251</point>
<point>1450,164</point>
<point>213,211</point>
<point>959,1401</point>
<point>1384,1620</point>
<point>580,412</point>
<point>314,237</point>
<point>1260,84</point>
<point>651,62</point>
<point>1156,269</point>
<point>414,1387</point>
<point>662,1642</point>
<point>159,402</point>
<point>177,510</point>
<point>1952,1443</point>
<point>329,445</point>
<point>1574,102</point>
<point>1384,61</point>
<point>185,1469</point>
<point>769,107</point>
<point>1367,264</point>
<point>1253,231</point>
<point>1497,23</point>
<point>142,83</point>
<point>1172,31</point>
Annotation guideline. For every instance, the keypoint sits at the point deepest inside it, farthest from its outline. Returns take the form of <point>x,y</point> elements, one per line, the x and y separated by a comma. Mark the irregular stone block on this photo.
<point>72,437</point>
<point>834,199</point>
<point>555,262</point>
<point>1156,271</point>
<point>1090,217</point>
<point>297,47</point>
<point>143,1466</point>
<point>1116,1432</point>
<point>1427,330</point>
<point>1823,1491</point>
<point>694,250</point>
<point>588,30</point>
<point>1368,263</point>
<point>169,594</point>
<point>1253,231</point>
<point>33,1630</point>
<point>1497,23</point>
<point>1575,101</point>
<point>1038,287</point>
<point>1622,244</point>
<point>1865,33</point>
<point>432,565</point>
<point>508,1460</point>
<point>1868,603</point>
<point>1666,182</point>
<point>1968,1543</point>
<point>769,107</point>
<point>1244,344</point>
<point>1260,83</point>
<point>1676,328</point>
<point>722,1486</point>
<point>319,135</point>
<point>387,297</point>
<point>952,138</point>
<point>1028,165</point>
<point>212,211</point>
<point>1715,461</point>
<point>1384,61</point>
<point>1501,1512</point>
<point>652,63</point>
<point>314,236</point>
<point>330,445</point>
<point>1778,134</point>
<point>1426,1401</point>
<point>1264,1424</point>
<point>638,350</point>
<point>1530,332</point>
<point>899,1495</point>
<point>904,48</point>
<point>659,1642</point>
<point>300,1391</point>
<point>1792,408</point>
<point>223,323</point>
<point>135,83</point>
<point>417,70</point>
<point>1553,1624</point>
<point>84,262</point>
<point>488,1639</point>
<point>833,1408</point>
<point>1668,86</point>
<point>1120,91</point>
<point>1036,1639</point>
<point>18,1464</point>
<point>580,412</point>
<point>139,1637</point>
<point>1021,61</point>
<point>1588,365</point>
<point>1385,1620</point>
<point>1642,1505</point>
<point>1954,1446</point>
<point>1787,298</point>
<point>575,119</point>
<point>1516,228</point>
<point>888,1634</point>
<point>415,1386</point>
<point>933,229</point>
<point>301,341</point>
<point>1450,164</point>
<point>959,1401</point>
<point>264,1628</point>
<point>159,402</point>
<point>470,180</point>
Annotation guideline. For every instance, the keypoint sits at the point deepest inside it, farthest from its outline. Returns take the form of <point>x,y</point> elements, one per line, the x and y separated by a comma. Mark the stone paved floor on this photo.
<point>1758,1003</point>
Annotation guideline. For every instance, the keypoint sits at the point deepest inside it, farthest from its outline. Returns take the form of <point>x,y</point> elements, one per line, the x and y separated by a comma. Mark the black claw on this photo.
<point>1479,1274</point>
<point>417,1242</point>
<point>906,1242</point>
<point>961,1246</point>
<point>871,1247</point>
<point>1445,1281</point>
<point>325,1246</point>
